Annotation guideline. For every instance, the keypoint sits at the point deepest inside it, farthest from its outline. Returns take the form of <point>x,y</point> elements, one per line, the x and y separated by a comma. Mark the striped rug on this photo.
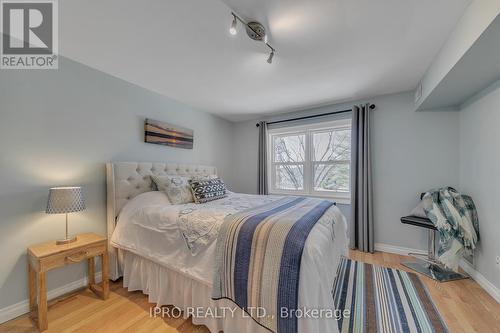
<point>383,300</point>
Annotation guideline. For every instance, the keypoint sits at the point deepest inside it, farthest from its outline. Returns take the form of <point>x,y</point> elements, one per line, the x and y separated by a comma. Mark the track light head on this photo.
<point>232,29</point>
<point>271,56</point>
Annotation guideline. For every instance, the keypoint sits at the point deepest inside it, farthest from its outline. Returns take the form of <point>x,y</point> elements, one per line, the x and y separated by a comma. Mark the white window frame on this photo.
<point>307,130</point>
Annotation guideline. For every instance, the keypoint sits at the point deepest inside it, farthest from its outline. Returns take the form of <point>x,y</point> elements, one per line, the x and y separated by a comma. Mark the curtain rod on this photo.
<point>372,106</point>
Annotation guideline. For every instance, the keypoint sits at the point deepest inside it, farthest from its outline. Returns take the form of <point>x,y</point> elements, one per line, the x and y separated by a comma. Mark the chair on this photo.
<point>428,264</point>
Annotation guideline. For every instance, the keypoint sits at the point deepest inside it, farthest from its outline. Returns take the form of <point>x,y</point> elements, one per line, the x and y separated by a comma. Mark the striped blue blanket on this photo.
<point>258,257</point>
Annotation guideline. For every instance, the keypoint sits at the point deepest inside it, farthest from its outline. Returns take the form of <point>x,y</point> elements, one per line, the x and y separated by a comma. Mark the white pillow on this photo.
<point>152,198</point>
<point>176,187</point>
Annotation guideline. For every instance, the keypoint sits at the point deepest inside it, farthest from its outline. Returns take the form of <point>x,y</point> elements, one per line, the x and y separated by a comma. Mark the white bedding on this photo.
<point>182,238</point>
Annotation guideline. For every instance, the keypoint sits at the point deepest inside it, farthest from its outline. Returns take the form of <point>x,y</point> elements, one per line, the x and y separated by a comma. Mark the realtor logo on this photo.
<point>29,34</point>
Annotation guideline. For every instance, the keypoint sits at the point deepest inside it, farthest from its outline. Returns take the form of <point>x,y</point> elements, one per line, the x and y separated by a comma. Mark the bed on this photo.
<point>160,248</point>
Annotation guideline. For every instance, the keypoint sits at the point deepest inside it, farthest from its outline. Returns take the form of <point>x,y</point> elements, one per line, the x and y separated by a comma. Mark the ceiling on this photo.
<point>328,51</point>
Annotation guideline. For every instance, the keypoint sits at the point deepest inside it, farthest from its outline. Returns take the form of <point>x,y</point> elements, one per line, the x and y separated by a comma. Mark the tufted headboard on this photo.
<point>125,180</point>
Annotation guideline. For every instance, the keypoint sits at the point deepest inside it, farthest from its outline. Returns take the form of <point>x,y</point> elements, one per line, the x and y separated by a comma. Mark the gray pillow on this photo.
<point>176,188</point>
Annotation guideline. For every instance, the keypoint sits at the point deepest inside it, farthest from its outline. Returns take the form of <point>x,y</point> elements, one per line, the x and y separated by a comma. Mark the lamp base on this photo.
<point>66,241</point>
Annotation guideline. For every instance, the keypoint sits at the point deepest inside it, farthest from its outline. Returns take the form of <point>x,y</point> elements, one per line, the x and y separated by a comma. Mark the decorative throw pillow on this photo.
<point>419,211</point>
<point>204,177</point>
<point>176,187</point>
<point>207,190</point>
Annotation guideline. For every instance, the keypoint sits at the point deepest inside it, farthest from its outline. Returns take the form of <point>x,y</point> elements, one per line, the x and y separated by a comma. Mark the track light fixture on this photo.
<point>270,59</point>
<point>232,30</point>
<point>255,31</point>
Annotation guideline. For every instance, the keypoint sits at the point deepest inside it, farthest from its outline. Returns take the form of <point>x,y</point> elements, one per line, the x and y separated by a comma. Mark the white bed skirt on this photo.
<point>168,287</point>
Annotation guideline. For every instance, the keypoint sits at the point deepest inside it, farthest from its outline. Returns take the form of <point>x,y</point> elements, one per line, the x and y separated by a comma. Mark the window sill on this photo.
<point>337,200</point>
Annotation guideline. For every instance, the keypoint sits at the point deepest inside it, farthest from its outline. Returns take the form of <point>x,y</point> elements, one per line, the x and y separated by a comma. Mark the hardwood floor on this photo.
<point>464,305</point>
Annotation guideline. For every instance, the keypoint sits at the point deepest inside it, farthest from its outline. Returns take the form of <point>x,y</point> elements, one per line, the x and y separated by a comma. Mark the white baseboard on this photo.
<point>18,309</point>
<point>481,280</point>
<point>489,287</point>
<point>397,249</point>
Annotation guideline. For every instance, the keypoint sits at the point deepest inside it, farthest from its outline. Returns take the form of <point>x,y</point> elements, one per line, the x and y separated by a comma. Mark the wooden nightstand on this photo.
<point>46,256</point>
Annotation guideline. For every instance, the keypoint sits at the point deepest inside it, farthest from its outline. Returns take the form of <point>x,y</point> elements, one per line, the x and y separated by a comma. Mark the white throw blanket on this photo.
<point>455,217</point>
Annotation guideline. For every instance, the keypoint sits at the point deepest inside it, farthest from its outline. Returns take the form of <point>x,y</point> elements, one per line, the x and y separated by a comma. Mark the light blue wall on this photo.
<point>480,173</point>
<point>412,152</point>
<point>59,127</point>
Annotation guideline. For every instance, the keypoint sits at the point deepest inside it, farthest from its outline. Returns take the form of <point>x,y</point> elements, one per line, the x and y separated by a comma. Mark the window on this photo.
<point>311,160</point>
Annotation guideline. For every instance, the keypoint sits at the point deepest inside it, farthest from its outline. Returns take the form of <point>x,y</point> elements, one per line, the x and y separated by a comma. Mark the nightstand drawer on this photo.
<point>71,256</point>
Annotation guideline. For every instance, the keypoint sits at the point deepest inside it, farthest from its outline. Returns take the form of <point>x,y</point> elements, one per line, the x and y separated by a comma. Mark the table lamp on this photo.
<point>64,200</point>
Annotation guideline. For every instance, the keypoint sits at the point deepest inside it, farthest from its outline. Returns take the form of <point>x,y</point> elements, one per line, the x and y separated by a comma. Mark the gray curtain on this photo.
<point>262,170</point>
<point>361,226</point>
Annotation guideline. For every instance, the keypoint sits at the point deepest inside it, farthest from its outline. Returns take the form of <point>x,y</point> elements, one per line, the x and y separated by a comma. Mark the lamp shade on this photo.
<point>63,200</point>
